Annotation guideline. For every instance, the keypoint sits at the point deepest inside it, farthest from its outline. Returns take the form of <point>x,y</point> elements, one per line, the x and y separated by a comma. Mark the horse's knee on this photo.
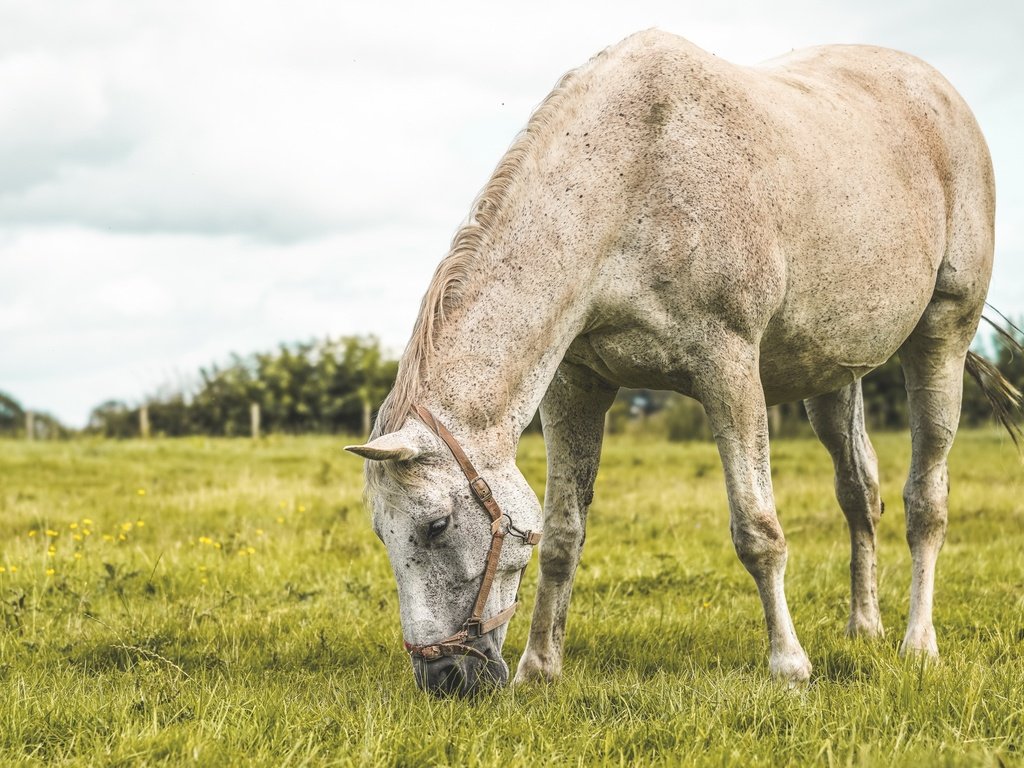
<point>926,525</point>
<point>760,543</point>
<point>925,500</point>
<point>561,546</point>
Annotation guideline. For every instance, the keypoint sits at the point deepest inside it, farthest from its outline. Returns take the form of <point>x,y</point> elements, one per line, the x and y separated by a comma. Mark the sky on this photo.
<point>182,180</point>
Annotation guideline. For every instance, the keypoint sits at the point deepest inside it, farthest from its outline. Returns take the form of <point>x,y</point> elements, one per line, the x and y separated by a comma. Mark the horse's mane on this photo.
<point>451,279</point>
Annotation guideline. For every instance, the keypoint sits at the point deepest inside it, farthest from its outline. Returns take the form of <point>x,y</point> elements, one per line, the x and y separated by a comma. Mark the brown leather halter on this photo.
<point>501,526</point>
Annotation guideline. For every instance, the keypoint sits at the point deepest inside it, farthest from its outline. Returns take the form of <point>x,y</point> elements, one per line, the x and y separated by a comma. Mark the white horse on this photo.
<point>742,235</point>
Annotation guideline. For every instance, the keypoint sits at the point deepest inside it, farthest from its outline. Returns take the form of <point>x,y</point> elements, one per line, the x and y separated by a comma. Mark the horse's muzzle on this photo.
<point>461,675</point>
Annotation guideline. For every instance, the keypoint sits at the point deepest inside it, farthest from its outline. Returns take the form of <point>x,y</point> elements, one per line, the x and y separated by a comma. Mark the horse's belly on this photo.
<point>812,348</point>
<point>800,374</point>
<point>845,315</point>
<point>817,341</point>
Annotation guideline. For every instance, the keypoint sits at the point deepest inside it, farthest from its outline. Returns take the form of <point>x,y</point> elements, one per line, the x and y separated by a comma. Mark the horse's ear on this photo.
<point>393,446</point>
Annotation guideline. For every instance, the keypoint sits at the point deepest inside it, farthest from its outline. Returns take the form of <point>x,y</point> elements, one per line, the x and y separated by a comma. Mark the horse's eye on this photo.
<point>437,527</point>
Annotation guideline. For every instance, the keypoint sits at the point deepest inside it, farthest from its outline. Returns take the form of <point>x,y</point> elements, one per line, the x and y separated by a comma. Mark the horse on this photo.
<point>742,235</point>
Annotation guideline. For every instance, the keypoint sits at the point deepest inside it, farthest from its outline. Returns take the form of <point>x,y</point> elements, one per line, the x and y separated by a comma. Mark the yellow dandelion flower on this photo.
<point>78,555</point>
<point>72,526</point>
<point>202,567</point>
<point>50,571</point>
<point>77,537</point>
<point>33,532</point>
<point>251,550</point>
<point>140,523</point>
<point>259,531</point>
<point>122,537</point>
<point>107,537</point>
<point>51,551</point>
<point>216,545</point>
<point>280,519</point>
<point>141,492</point>
<point>86,521</point>
<point>13,569</point>
<point>51,533</point>
<point>126,526</point>
<point>205,540</point>
<point>86,532</point>
<point>202,580</point>
<point>2,569</point>
<point>301,508</point>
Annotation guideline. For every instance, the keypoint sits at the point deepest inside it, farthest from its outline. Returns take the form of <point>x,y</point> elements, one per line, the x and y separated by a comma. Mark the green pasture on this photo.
<point>219,602</point>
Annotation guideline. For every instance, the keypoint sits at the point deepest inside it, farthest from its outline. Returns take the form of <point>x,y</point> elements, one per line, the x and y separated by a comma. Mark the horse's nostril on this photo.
<point>445,677</point>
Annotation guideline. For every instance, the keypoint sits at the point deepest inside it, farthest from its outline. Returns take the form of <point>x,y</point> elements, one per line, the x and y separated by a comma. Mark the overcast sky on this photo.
<point>180,180</point>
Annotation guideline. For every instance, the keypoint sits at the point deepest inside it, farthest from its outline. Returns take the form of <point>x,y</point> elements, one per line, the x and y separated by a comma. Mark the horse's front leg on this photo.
<point>572,414</point>
<point>730,390</point>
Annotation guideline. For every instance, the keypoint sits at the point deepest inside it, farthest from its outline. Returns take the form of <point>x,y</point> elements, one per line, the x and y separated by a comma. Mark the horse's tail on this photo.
<point>1002,395</point>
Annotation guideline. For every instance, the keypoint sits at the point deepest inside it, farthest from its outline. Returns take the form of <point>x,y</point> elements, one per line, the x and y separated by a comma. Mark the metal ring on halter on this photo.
<point>525,536</point>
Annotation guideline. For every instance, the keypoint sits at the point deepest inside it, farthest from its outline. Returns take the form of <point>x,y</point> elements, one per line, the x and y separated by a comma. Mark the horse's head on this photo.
<point>440,531</point>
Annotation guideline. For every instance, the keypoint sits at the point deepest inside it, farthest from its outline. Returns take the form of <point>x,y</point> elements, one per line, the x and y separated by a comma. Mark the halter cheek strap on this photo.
<point>501,526</point>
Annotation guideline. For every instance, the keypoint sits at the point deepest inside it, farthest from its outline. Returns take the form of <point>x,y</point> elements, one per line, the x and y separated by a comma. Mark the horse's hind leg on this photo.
<point>572,413</point>
<point>933,363</point>
<point>838,421</point>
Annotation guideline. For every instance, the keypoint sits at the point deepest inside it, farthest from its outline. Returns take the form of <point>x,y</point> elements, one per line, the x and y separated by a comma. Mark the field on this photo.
<point>220,602</point>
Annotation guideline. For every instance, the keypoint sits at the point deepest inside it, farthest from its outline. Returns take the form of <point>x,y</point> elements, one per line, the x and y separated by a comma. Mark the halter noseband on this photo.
<point>475,625</point>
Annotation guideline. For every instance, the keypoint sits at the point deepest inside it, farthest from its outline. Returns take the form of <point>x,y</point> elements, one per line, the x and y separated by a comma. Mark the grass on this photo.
<point>219,602</point>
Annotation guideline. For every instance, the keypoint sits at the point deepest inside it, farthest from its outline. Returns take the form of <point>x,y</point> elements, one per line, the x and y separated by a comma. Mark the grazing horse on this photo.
<point>742,235</point>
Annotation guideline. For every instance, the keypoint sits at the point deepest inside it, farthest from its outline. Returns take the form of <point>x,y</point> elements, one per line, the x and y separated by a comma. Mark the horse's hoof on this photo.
<point>920,644</point>
<point>793,669</point>
<point>533,669</point>
<point>869,627</point>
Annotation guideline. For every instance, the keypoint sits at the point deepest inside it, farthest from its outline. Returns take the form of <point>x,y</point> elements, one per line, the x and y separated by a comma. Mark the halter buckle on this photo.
<point>473,628</point>
<point>480,488</point>
<point>429,653</point>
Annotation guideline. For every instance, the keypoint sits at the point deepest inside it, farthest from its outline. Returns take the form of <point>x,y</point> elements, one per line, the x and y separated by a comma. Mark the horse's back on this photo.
<point>814,199</point>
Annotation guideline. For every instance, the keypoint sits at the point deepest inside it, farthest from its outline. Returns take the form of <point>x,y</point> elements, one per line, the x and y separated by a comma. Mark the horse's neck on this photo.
<point>497,353</point>
<point>528,293</point>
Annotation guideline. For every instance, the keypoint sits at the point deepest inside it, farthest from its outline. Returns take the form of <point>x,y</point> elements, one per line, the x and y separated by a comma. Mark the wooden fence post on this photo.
<point>254,420</point>
<point>144,422</point>
<point>30,426</point>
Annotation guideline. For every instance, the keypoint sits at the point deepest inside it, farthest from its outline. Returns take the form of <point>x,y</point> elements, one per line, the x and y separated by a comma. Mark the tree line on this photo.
<point>328,386</point>
<point>334,385</point>
<point>15,421</point>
